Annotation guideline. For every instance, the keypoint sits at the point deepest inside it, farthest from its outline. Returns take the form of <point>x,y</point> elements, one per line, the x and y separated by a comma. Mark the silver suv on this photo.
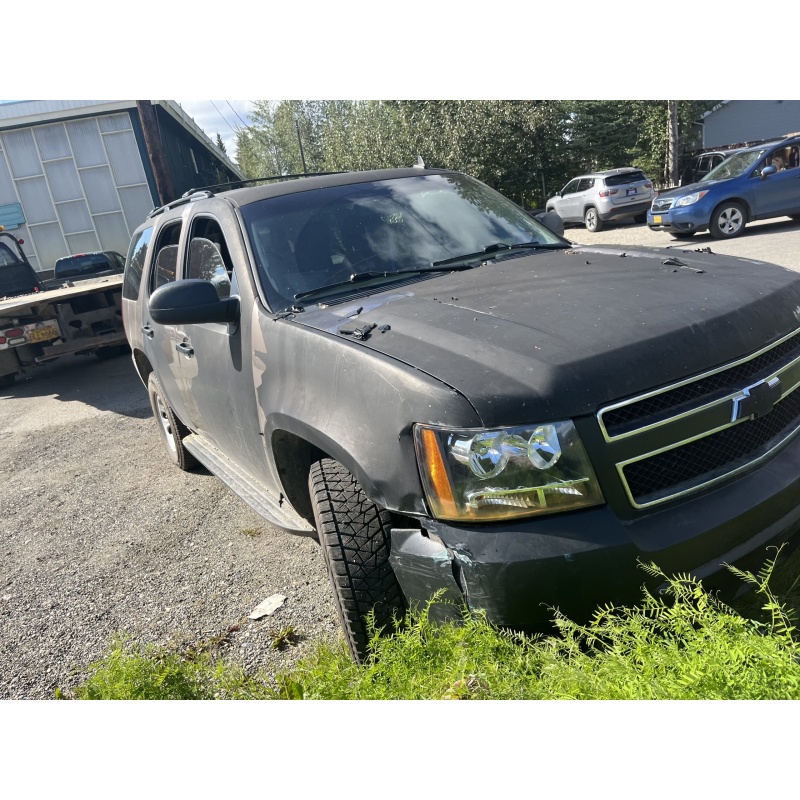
<point>598,197</point>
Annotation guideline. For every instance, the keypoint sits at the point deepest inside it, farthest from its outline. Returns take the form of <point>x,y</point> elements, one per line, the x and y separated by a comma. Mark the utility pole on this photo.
<point>300,142</point>
<point>155,152</point>
<point>672,143</point>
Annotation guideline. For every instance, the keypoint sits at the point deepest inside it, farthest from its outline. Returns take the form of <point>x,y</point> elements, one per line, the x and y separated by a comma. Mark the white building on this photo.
<point>78,176</point>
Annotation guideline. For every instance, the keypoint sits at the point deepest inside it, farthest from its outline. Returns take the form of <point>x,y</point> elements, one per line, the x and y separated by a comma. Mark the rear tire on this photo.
<point>641,219</point>
<point>7,381</point>
<point>354,534</point>
<point>592,221</point>
<point>728,220</point>
<point>172,430</point>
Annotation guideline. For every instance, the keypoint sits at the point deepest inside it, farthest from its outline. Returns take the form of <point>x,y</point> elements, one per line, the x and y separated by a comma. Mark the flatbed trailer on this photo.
<point>80,317</point>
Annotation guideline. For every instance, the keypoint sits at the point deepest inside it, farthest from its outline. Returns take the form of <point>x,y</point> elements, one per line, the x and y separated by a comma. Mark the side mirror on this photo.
<point>191,301</point>
<point>767,171</point>
<point>551,221</point>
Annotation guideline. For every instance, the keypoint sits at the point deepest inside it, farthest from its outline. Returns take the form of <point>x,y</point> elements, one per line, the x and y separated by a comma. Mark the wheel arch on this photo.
<point>748,212</point>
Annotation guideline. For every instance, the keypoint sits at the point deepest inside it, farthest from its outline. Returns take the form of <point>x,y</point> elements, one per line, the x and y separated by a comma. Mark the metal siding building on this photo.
<point>736,121</point>
<point>76,176</point>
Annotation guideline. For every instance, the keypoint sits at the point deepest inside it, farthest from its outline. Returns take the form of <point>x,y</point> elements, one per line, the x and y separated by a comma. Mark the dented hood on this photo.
<point>558,334</point>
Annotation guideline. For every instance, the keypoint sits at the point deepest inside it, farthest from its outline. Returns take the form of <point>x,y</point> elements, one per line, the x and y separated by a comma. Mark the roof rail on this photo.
<point>188,197</point>
<point>241,183</point>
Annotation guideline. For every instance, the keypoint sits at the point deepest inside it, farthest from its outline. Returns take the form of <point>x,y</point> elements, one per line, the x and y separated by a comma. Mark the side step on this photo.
<point>253,493</point>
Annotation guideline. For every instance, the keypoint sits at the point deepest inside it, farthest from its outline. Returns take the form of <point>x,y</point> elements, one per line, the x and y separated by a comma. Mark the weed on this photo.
<point>683,644</point>
<point>251,532</point>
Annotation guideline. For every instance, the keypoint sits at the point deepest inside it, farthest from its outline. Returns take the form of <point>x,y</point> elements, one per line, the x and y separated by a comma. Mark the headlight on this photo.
<point>692,198</point>
<point>483,475</point>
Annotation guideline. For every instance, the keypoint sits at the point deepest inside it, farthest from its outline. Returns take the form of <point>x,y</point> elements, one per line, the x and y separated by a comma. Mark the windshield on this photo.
<point>307,240</point>
<point>734,166</point>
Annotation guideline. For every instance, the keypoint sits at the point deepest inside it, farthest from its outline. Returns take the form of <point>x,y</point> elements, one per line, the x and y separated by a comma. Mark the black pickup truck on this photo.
<point>451,396</point>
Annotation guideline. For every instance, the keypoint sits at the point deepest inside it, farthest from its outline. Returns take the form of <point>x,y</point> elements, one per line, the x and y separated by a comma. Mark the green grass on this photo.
<point>685,645</point>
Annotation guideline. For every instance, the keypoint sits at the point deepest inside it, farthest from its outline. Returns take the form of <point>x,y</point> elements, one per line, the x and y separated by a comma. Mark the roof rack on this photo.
<point>188,197</point>
<point>240,183</point>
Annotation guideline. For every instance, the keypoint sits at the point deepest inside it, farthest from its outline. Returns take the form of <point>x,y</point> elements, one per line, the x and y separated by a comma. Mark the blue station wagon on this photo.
<point>757,183</point>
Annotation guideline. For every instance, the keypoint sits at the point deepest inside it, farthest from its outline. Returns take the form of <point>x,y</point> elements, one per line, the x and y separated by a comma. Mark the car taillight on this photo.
<point>608,192</point>
<point>2,339</point>
<point>13,333</point>
<point>648,185</point>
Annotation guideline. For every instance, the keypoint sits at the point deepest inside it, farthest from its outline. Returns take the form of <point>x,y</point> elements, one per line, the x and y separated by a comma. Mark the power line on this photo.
<point>237,114</point>
<point>223,117</point>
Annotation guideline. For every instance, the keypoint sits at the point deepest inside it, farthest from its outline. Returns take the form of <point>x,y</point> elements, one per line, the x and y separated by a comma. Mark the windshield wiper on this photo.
<point>493,250</point>
<point>357,277</point>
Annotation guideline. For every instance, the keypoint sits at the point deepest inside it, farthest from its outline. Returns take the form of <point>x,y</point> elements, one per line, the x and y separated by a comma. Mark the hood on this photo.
<point>692,187</point>
<point>559,334</point>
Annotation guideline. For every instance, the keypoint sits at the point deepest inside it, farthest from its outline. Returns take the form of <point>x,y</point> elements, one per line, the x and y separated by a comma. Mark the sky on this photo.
<point>223,117</point>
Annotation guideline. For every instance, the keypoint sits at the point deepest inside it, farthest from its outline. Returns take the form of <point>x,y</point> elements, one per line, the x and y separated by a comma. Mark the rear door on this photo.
<point>163,344</point>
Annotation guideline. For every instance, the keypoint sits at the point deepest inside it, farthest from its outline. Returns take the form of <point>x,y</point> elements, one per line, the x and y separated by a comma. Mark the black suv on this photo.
<point>89,265</point>
<point>450,396</point>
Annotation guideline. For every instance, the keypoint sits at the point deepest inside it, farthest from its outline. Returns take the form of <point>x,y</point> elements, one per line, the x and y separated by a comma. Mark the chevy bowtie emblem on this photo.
<point>756,400</point>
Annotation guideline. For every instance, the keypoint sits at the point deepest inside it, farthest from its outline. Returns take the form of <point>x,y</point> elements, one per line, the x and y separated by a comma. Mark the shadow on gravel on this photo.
<point>110,385</point>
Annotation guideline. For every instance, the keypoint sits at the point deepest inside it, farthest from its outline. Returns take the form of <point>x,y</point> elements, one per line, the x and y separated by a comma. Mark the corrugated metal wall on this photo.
<point>81,184</point>
<point>750,120</point>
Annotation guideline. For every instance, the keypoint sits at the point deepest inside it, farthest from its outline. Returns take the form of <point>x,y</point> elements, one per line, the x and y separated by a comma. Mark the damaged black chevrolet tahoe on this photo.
<point>450,396</point>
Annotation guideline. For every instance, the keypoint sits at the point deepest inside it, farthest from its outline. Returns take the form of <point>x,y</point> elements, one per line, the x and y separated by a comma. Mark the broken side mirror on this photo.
<point>192,301</point>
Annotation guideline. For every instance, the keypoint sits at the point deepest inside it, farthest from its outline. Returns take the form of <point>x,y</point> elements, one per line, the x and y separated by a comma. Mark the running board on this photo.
<point>253,493</point>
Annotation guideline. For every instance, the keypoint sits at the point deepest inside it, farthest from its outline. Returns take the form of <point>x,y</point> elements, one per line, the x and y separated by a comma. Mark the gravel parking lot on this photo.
<point>101,535</point>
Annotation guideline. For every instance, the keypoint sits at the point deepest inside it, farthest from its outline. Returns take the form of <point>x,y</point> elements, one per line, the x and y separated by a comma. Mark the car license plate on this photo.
<point>657,220</point>
<point>42,334</point>
<point>631,191</point>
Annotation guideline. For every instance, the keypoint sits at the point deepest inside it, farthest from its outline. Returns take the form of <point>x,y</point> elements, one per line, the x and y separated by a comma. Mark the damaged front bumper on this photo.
<point>517,573</point>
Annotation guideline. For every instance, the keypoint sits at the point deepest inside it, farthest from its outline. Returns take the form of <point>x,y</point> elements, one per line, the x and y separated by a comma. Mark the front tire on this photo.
<point>172,430</point>
<point>728,221</point>
<point>592,221</point>
<point>354,534</point>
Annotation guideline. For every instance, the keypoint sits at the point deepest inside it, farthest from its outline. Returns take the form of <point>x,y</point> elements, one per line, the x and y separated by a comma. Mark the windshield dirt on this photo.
<point>328,237</point>
<point>734,166</point>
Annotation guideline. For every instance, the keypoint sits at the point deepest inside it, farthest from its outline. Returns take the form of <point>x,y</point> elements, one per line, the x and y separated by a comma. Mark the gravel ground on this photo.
<point>101,535</point>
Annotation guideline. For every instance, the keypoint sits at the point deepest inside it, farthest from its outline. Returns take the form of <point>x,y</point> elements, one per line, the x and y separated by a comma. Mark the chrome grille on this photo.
<point>616,421</point>
<point>663,205</point>
<point>689,435</point>
<point>719,453</point>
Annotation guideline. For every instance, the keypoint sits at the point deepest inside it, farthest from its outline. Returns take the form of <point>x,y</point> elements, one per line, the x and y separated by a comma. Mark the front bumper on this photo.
<point>686,219</point>
<point>575,562</point>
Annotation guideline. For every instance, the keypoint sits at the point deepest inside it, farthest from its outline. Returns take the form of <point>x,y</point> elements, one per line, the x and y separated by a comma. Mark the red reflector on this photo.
<point>12,332</point>
<point>2,339</point>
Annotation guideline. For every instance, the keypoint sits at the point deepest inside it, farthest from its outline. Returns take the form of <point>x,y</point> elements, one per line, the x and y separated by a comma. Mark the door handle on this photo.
<point>185,348</point>
<point>148,331</point>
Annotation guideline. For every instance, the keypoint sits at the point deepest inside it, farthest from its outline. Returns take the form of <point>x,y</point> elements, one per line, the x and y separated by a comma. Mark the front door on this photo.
<point>216,362</point>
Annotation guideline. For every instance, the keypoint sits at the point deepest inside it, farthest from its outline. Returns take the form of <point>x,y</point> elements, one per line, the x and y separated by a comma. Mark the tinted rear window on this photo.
<point>83,265</point>
<point>627,177</point>
<point>135,263</point>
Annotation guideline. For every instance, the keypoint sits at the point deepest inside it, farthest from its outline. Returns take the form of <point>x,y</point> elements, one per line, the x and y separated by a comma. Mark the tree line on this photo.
<point>526,149</point>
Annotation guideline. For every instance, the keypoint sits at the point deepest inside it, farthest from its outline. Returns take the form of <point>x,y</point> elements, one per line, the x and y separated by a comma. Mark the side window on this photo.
<point>585,184</point>
<point>794,157</point>
<point>166,256</point>
<point>135,263</point>
<point>208,256</point>
<point>571,187</point>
